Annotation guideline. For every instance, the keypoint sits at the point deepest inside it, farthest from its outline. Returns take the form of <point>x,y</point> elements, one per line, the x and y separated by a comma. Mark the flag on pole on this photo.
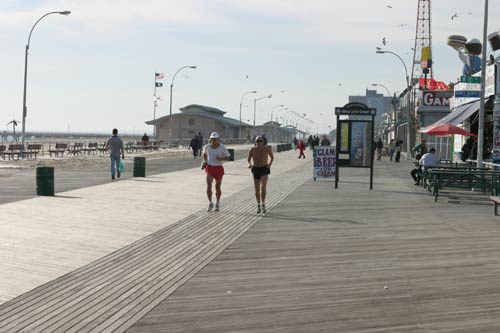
<point>159,84</point>
<point>159,76</point>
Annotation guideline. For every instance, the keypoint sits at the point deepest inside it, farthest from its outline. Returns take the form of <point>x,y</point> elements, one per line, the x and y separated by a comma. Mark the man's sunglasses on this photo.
<point>259,141</point>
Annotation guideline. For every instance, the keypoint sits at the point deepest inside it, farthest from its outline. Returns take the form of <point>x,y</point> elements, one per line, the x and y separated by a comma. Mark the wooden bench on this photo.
<point>32,150</point>
<point>91,148</point>
<point>14,150</point>
<point>101,147</point>
<point>496,201</point>
<point>76,148</point>
<point>60,149</point>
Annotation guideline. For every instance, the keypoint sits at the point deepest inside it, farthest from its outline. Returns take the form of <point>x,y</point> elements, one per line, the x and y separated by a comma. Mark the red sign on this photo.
<point>436,99</point>
<point>432,84</point>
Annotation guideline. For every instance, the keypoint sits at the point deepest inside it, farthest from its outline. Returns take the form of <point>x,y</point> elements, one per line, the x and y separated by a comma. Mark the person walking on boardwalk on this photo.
<point>379,147</point>
<point>213,155</point>
<point>200,142</point>
<point>115,146</point>
<point>262,157</point>
<point>195,145</point>
<point>301,147</point>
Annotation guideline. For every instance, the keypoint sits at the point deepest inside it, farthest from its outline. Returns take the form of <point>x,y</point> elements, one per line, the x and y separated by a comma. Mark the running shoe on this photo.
<point>263,208</point>
<point>210,207</point>
<point>217,207</point>
<point>258,209</point>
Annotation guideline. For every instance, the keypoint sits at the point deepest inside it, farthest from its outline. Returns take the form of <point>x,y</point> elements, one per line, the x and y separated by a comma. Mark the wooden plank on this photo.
<point>320,261</point>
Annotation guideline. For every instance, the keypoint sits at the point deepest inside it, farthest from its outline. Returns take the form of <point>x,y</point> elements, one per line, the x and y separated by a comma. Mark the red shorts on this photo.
<point>216,171</point>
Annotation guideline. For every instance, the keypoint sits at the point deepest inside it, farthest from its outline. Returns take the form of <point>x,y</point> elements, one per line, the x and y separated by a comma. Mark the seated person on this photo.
<point>427,160</point>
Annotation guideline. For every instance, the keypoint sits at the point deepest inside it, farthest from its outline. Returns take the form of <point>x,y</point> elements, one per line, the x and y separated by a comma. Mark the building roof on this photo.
<point>205,111</point>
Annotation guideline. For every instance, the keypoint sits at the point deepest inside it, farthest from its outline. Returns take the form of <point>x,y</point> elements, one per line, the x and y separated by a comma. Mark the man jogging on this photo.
<point>262,157</point>
<point>213,155</point>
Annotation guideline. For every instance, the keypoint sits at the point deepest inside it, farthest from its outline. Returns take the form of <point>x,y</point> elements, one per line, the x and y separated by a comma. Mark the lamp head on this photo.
<point>253,91</point>
<point>375,84</point>
<point>270,96</point>
<point>66,12</point>
<point>380,51</point>
<point>193,67</point>
<point>473,46</point>
<point>494,39</point>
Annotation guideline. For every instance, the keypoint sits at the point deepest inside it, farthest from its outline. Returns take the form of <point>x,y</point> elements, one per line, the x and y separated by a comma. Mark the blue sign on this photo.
<point>467,93</point>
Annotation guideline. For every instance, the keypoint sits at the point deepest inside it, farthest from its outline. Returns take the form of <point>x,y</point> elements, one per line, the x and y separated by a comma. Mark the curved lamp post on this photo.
<point>255,108</point>
<point>170,108</point>
<point>277,113</point>
<point>274,108</point>
<point>408,136</point>
<point>25,108</point>
<point>392,106</point>
<point>241,104</point>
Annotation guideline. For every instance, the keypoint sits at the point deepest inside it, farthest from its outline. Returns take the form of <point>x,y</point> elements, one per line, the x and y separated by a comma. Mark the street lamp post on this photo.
<point>274,108</point>
<point>408,89</point>
<point>392,107</point>
<point>170,108</point>
<point>25,108</point>
<point>241,104</point>
<point>480,131</point>
<point>255,108</point>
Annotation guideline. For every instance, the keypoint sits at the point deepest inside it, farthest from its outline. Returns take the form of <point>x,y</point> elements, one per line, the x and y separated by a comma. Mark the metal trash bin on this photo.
<point>139,167</point>
<point>231,154</point>
<point>45,181</point>
<point>280,148</point>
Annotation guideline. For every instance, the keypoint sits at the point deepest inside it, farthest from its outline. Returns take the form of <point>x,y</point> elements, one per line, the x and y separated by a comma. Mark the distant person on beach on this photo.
<point>213,155</point>
<point>115,146</point>
<point>195,145</point>
<point>262,157</point>
<point>145,140</point>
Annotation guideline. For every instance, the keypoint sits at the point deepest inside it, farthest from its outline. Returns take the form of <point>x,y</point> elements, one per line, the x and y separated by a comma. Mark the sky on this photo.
<point>93,70</point>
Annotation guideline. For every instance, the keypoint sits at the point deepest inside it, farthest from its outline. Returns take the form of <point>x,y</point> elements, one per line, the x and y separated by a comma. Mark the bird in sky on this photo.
<point>403,25</point>
<point>340,84</point>
<point>454,16</point>
<point>389,6</point>
<point>384,41</point>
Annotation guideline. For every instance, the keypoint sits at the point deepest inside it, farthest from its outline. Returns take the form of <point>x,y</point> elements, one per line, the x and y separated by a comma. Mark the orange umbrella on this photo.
<point>445,129</point>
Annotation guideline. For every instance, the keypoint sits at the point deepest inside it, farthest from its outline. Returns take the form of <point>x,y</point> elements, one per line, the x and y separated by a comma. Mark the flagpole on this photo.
<point>154,111</point>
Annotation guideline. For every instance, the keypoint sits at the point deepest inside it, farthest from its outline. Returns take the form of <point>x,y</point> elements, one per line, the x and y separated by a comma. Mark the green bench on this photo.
<point>485,180</point>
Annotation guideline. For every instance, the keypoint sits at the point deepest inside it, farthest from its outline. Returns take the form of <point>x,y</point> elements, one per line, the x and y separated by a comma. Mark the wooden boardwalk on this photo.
<point>112,293</point>
<point>349,260</point>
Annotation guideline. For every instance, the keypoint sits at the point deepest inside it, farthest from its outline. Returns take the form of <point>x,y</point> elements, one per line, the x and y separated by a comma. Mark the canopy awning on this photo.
<point>460,114</point>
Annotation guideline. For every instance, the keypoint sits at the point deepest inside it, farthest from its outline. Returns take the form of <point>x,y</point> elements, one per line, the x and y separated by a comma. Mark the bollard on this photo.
<point>139,167</point>
<point>45,181</point>
<point>231,154</point>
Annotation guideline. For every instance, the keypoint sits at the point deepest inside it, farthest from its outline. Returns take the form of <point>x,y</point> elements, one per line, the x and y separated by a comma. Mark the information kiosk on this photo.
<point>355,142</point>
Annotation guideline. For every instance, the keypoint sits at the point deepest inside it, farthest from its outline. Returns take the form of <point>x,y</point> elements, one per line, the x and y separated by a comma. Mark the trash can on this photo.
<point>45,181</point>
<point>231,154</point>
<point>139,167</point>
<point>280,148</point>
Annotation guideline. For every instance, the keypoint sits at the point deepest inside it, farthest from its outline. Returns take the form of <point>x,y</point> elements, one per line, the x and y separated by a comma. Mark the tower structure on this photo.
<point>423,37</point>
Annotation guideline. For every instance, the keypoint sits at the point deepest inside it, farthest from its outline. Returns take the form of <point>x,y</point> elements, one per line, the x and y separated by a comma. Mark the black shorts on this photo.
<point>258,172</point>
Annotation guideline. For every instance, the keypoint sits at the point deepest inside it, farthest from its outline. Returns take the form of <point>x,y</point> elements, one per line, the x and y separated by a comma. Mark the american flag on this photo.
<point>159,76</point>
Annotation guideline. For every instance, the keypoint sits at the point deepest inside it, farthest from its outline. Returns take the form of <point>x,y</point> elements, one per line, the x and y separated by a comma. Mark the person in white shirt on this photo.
<point>428,160</point>
<point>213,155</point>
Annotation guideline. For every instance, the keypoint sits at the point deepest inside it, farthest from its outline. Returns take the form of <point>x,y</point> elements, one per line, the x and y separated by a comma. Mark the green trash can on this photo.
<point>231,154</point>
<point>280,148</point>
<point>45,181</point>
<point>139,167</point>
